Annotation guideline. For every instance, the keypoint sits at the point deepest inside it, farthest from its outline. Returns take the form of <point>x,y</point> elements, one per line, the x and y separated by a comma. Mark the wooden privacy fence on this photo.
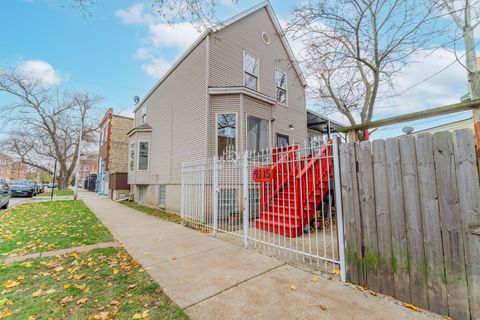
<point>412,219</point>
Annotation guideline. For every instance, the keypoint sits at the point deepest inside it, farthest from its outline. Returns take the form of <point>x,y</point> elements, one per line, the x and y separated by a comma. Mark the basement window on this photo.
<point>161,195</point>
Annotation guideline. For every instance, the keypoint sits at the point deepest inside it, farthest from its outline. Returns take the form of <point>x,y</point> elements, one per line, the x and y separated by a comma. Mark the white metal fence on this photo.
<point>280,201</point>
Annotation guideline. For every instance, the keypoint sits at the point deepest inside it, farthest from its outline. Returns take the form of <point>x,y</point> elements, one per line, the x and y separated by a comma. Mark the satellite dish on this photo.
<point>407,130</point>
<point>136,99</point>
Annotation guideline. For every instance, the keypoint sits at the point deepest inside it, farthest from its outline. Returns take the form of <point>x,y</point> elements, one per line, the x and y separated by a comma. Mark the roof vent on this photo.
<point>265,38</point>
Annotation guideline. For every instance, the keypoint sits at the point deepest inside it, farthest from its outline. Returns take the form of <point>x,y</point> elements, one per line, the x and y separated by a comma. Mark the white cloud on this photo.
<point>434,90</point>
<point>180,35</point>
<point>159,37</point>
<point>41,71</point>
<point>156,67</point>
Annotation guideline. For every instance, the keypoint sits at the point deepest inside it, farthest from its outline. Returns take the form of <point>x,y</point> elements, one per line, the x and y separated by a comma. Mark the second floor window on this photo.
<point>143,155</point>
<point>250,71</point>
<point>281,86</point>
<point>144,114</point>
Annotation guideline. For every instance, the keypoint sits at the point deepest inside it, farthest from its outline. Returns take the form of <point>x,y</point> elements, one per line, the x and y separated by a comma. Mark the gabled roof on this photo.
<point>226,23</point>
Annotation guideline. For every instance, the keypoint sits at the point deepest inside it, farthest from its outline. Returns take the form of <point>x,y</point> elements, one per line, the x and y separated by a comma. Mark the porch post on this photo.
<point>338,207</point>
<point>215,195</point>
<point>245,199</point>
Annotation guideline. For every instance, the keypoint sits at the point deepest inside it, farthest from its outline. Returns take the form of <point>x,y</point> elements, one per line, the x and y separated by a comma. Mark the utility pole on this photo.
<point>54,177</point>
<point>463,20</point>
<point>77,173</point>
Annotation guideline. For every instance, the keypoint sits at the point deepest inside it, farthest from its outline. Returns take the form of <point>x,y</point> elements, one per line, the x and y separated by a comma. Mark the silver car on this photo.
<point>5,194</point>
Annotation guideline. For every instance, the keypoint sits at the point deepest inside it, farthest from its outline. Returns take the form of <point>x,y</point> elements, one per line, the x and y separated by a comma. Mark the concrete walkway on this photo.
<point>213,279</point>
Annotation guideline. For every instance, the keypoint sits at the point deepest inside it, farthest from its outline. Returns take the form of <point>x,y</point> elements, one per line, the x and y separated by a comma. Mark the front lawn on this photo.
<point>171,217</point>
<point>46,226</point>
<point>56,193</point>
<point>100,284</point>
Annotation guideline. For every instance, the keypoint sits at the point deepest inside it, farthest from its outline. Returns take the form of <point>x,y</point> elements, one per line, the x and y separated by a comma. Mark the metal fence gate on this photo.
<point>280,201</point>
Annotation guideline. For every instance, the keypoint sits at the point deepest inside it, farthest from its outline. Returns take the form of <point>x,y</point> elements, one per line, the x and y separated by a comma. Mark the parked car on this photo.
<point>40,188</point>
<point>5,194</point>
<point>25,188</point>
<point>51,185</point>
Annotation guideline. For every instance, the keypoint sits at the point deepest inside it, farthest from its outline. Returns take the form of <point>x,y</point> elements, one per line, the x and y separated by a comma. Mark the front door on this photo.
<point>257,134</point>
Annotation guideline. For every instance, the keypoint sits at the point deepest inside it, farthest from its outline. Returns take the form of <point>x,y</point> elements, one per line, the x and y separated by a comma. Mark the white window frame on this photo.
<point>138,156</point>
<point>254,75</point>
<point>216,130</point>
<point>269,129</point>
<point>144,117</point>
<point>130,160</point>
<point>276,88</point>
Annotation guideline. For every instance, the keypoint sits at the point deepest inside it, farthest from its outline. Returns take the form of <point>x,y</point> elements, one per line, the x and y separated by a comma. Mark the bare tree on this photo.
<point>45,123</point>
<point>466,15</point>
<point>354,47</point>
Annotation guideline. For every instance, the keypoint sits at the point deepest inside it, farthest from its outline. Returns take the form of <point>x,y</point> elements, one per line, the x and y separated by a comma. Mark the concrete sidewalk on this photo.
<point>213,279</point>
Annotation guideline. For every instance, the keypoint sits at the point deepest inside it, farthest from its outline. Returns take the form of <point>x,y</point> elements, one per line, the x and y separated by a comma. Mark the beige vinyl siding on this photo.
<point>226,68</point>
<point>177,113</point>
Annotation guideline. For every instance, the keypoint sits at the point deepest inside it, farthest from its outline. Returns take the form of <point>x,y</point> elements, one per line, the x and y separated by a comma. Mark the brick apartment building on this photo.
<point>11,170</point>
<point>113,155</point>
<point>88,166</point>
<point>6,164</point>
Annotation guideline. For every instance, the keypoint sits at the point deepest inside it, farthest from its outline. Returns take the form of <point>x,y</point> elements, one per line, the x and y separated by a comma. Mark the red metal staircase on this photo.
<point>292,188</point>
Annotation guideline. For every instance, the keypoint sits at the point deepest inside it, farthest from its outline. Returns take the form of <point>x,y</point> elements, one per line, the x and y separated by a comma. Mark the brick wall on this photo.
<point>118,156</point>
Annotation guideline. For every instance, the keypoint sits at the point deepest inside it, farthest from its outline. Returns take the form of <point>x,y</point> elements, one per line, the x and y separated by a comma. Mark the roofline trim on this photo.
<point>326,118</point>
<point>241,90</point>
<point>228,22</point>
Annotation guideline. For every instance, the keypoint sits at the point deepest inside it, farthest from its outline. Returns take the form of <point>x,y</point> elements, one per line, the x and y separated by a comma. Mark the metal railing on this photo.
<point>280,201</point>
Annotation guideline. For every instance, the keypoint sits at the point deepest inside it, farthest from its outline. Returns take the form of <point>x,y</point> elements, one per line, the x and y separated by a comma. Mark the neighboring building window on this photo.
<point>282,140</point>
<point>144,114</point>
<point>132,157</point>
<point>226,132</point>
<point>103,135</point>
<point>85,167</point>
<point>161,195</point>
<point>250,71</point>
<point>281,86</point>
<point>143,155</point>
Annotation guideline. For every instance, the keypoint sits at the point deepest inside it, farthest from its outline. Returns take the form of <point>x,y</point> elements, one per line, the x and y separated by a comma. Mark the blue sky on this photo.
<point>123,48</point>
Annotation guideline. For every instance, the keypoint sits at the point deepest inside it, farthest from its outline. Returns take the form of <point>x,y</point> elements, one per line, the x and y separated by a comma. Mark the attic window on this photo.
<point>265,38</point>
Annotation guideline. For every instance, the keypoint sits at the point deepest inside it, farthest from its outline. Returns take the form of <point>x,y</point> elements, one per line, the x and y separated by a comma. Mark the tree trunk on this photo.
<point>63,180</point>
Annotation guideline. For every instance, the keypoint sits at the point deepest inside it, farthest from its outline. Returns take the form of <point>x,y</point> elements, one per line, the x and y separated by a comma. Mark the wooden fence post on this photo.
<point>469,196</point>
<point>383,217</point>
<point>432,235</point>
<point>450,222</point>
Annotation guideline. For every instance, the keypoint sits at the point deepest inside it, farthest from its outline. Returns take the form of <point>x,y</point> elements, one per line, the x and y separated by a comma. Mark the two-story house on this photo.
<point>238,86</point>
<point>113,155</point>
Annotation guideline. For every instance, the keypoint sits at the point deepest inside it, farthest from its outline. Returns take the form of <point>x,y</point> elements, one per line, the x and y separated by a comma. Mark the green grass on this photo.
<point>56,193</point>
<point>171,217</point>
<point>46,226</point>
<point>99,284</point>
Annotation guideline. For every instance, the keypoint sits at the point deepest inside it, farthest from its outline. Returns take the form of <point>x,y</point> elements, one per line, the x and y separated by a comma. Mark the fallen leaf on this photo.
<point>115,303</point>
<point>293,287</point>
<point>66,285</point>
<point>37,293</point>
<point>146,253</point>
<point>411,306</point>
<point>66,300</point>
<point>82,301</point>
<point>31,318</point>
<point>314,279</point>
<point>79,276</point>
<point>115,271</point>
<point>71,270</point>
<point>373,293</point>
<point>109,284</point>
<point>21,277</point>
<point>323,307</point>
<point>58,269</point>
<point>5,313</point>
<point>10,283</point>
<point>360,288</point>
<point>132,286</point>
<point>50,291</point>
